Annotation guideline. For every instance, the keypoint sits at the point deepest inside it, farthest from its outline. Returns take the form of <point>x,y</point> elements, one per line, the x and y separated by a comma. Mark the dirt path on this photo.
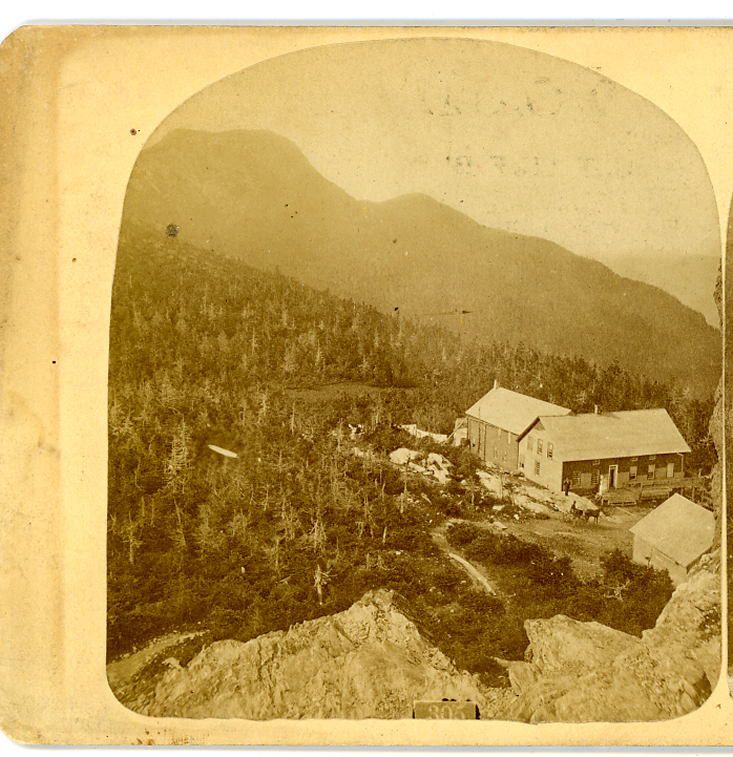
<point>121,671</point>
<point>474,573</point>
<point>584,542</point>
<point>477,577</point>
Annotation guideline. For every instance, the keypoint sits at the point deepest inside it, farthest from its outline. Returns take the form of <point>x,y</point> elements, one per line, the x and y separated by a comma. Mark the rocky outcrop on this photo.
<point>370,661</point>
<point>581,672</point>
<point>366,662</point>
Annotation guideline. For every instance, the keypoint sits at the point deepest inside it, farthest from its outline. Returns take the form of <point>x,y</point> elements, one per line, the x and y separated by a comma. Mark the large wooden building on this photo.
<point>499,419</point>
<point>600,451</point>
<point>674,536</point>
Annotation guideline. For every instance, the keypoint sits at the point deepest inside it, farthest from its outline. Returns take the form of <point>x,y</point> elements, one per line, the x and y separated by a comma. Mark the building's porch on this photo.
<point>632,494</point>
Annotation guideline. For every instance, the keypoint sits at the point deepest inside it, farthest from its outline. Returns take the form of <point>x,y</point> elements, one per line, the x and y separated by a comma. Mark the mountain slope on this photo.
<point>253,195</point>
<point>206,350</point>
<point>680,275</point>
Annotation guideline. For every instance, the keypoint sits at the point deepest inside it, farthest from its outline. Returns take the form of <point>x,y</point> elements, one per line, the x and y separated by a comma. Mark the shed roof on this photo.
<point>679,528</point>
<point>512,411</point>
<point>627,433</point>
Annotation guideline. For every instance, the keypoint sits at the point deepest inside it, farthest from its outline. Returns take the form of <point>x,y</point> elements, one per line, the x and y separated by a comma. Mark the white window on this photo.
<point>650,470</point>
<point>539,446</point>
<point>576,479</point>
<point>632,473</point>
<point>537,467</point>
<point>530,443</point>
<point>549,450</point>
<point>596,462</point>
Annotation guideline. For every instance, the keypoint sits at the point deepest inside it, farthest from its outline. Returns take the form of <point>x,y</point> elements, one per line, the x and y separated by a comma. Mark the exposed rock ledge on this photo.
<point>366,662</point>
<point>371,662</point>
<point>580,672</point>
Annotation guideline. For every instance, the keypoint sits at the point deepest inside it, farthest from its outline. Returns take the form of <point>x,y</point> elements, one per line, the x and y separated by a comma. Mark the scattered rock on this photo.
<point>403,456</point>
<point>491,482</point>
<point>433,464</point>
<point>532,505</point>
<point>439,467</point>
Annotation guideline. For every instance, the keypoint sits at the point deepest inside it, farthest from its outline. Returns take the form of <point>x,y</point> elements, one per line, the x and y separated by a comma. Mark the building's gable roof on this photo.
<point>678,528</point>
<point>512,411</point>
<point>629,433</point>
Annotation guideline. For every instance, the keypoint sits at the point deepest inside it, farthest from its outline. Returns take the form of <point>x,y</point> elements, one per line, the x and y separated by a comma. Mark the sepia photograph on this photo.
<point>365,386</point>
<point>414,356</point>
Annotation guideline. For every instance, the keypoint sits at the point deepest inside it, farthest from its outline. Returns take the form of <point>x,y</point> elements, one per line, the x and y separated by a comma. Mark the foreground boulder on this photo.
<point>580,672</point>
<point>370,662</point>
<point>366,662</point>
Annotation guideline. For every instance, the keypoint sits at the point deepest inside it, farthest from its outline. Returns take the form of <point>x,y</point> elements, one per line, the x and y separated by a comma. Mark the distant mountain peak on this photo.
<point>253,195</point>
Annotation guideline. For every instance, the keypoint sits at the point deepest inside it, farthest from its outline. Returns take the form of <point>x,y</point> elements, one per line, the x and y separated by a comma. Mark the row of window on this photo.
<point>633,474</point>
<point>540,446</point>
<point>536,465</point>
<point>550,450</point>
<point>595,478</point>
<point>632,459</point>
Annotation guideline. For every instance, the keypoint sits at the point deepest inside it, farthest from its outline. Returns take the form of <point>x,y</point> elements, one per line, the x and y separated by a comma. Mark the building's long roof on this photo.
<point>678,528</point>
<point>512,411</point>
<point>628,433</point>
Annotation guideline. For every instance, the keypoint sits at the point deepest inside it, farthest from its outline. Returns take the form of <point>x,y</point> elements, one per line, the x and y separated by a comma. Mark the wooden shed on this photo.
<point>674,536</point>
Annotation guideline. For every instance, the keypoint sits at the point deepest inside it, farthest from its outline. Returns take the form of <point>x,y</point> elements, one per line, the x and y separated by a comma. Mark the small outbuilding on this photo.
<point>674,536</point>
<point>459,435</point>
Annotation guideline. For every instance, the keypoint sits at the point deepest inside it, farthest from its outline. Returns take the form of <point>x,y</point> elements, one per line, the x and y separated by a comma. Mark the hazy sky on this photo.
<point>516,139</point>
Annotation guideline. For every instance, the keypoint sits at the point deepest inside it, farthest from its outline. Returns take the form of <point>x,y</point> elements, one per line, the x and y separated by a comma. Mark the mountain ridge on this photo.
<point>670,274</point>
<point>253,195</point>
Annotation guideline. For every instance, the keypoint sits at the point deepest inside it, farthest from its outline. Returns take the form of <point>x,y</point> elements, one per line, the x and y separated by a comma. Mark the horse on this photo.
<point>595,513</point>
<point>591,513</point>
<point>576,512</point>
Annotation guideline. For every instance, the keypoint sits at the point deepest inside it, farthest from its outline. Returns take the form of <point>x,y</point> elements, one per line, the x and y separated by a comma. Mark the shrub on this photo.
<point>485,547</point>
<point>618,568</point>
<point>466,464</point>
<point>481,602</point>
<point>555,575</point>
<point>385,438</point>
<point>461,534</point>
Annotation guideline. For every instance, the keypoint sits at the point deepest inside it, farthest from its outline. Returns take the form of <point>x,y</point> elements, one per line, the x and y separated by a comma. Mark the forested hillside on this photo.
<point>206,350</point>
<point>253,195</point>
